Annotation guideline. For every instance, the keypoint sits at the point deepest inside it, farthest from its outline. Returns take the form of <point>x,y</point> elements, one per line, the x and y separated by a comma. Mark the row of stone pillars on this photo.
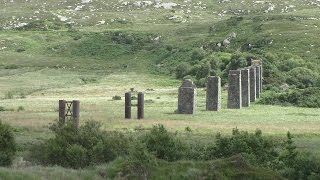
<point>245,86</point>
<point>69,110</point>
<point>128,105</point>
<point>187,96</point>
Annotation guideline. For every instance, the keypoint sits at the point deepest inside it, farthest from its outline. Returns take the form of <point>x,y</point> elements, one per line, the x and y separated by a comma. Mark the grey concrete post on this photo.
<point>213,102</point>
<point>127,105</point>
<point>62,112</point>
<point>253,79</point>
<point>258,81</point>
<point>261,78</point>
<point>76,113</point>
<point>234,90</point>
<point>187,98</point>
<point>245,87</point>
<point>140,105</point>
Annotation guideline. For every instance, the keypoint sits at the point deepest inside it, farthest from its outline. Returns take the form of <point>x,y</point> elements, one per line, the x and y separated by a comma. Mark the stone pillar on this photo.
<point>261,78</point>
<point>140,105</point>
<point>258,63</point>
<point>187,98</point>
<point>257,81</point>
<point>127,111</point>
<point>76,113</point>
<point>234,90</point>
<point>245,87</point>
<point>213,102</point>
<point>62,112</point>
<point>253,84</point>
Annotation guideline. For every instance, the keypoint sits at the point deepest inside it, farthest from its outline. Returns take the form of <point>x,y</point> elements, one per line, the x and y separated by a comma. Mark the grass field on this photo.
<point>80,58</point>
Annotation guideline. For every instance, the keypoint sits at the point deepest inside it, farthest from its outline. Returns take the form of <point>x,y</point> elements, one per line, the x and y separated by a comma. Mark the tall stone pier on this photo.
<point>234,90</point>
<point>213,101</point>
<point>253,79</point>
<point>245,87</point>
<point>258,81</point>
<point>187,98</point>
<point>259,63</point>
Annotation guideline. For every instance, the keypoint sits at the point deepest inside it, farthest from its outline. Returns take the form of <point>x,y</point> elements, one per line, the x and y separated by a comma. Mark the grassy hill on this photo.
<point>92,50</point>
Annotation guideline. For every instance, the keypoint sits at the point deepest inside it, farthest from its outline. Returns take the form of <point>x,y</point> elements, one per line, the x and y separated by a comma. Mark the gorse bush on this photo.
<point>309,97</point>
<point>302,77</point>
<point>8,145</point>
<point>163,144</point>
<point>261,150</point>
<point>79,148</point>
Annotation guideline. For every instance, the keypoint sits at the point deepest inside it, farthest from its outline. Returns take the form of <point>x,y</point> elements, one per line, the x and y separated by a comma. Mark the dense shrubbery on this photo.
<point>302,77</point>
<point>252,148</point>
<point>8,145</point>
<point>139,157</point>
<point>79,148</point>
<point>309,97</point>
<point>164,145</point>
<point>260,150</point>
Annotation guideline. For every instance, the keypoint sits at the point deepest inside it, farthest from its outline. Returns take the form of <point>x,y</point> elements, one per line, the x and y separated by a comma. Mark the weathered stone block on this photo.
<point>245,87</point>
<point>213,102</point>
<point>187,98</point>
<point>234,90</point>
<point>253,84</point>
<point>258,81</point>
<point>140,105</point>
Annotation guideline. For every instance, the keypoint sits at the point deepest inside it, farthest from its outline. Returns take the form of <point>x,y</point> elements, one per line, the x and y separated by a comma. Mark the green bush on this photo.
<point>302,77</point>
<point>80,148</point>
<point>116,97</point>
<point>139,161</point>
<point>182,70</point>
<point>8,145</point>
<point>164,145</point>
<point>261,150</point>
<point>309,97</point>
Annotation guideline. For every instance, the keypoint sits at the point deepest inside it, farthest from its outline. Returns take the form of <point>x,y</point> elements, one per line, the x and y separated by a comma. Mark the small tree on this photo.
<point>8,145</point>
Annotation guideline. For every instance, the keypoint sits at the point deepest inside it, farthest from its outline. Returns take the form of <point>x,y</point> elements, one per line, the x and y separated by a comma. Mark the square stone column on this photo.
<point>253,79</point>
<point>187,98</point>
<point>245,87</point>
<point>234,90</point>
<point>213,101</point>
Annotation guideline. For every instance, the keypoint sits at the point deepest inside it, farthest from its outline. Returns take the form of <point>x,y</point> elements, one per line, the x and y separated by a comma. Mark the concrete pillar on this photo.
<point>76,113</point>
<point>258,81</point>
<point>187,98</point>
<point>213,102</point>
<point>127,111</point>
<point>261,78</point>
<point>245,87</point>
<point>140,105</point>
<point>234,90</point>
<point>62,112</point>
<point>253,84</point>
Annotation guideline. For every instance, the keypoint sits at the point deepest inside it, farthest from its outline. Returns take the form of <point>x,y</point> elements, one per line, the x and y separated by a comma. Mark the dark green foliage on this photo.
<point>116,97</point>
<point>139,162</point>
<point>309,97</point>
<point>298,165</point>
<point>302,77</point>
<point>163,144</point>
<point>8,145</point>
<point>197,54</point>
<point>182,70</point>
<point>261,150</point>
<point>79,148</point>
<point>237,60</point>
